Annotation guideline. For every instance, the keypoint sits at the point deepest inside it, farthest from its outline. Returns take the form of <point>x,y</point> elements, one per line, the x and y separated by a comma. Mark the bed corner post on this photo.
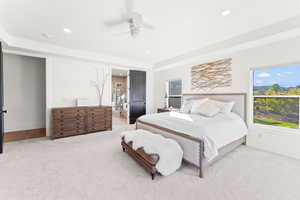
<point>201,154</point>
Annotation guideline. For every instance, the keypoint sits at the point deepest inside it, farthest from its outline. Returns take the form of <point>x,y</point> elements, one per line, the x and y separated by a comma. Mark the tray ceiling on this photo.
<point>180,26</point>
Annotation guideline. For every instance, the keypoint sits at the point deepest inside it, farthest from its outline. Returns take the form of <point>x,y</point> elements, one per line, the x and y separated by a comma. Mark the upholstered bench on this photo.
<point>156,153</point>
<point>146,160</point>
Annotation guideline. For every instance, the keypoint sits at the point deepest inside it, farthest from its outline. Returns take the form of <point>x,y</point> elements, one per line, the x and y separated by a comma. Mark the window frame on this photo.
<point>168,95</point>
<point>251,103</point>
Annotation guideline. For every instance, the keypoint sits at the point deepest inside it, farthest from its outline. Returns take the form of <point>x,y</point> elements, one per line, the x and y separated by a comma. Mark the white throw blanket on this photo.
<point>216,131</point>
<point>169,151</point>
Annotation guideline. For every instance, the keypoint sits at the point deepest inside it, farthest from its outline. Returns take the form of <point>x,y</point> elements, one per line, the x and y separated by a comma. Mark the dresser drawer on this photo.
<point>73,126</point>
<point>68,114</point>
<point>96,127</point>
<point>108,112</point>
<point>59,133</point>
<point>90,120</point>
<point>69,120</point>
<point>96,112</point>
<point>108,125</point>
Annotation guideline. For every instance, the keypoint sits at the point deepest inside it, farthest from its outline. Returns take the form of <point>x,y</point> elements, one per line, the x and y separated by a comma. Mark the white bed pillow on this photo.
<point>208,109</point>
<point>186,107</point>
<point>196,104</point>
<point>225,107</point>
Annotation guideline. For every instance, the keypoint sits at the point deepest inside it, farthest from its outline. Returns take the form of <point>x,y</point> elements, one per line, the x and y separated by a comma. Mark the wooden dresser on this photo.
<point>160,110</point>
<point>80,120</point>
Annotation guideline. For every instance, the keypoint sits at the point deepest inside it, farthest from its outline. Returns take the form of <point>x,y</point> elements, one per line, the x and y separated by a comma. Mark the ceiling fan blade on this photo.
<point>148,26</point>
<point>129,6</point>
<point>116,22</point>
<point>121,33</point>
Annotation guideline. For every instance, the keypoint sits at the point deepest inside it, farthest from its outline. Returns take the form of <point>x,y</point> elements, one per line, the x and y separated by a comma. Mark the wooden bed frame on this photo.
<point>193,148</point>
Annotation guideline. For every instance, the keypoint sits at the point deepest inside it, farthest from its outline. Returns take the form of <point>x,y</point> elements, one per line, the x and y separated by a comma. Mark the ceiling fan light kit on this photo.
<point>134,19</point>
<point>134,30</point>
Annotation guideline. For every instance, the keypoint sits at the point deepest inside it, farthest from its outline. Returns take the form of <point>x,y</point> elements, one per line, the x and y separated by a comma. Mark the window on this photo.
<point>276,93</point>
<point>174,92</point>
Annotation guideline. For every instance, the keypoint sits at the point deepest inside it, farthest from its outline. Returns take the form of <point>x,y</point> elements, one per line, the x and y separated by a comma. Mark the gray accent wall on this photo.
<point>24,92</point>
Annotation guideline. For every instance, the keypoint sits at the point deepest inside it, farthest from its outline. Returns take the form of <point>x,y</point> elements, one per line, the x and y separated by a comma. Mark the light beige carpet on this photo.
<point>94,167</point>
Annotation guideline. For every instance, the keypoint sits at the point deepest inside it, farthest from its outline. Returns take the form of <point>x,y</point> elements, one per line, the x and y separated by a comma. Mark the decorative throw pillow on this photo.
<point>196,104</point>
<point>225,107</point>
<point>208,109</point>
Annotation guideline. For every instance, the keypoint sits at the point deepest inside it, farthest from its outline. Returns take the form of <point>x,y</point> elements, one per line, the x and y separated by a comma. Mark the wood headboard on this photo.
<point>240,99</point>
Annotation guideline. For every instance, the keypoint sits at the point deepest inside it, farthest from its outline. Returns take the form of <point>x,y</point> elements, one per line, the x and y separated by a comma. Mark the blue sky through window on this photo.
<point>286,76</point>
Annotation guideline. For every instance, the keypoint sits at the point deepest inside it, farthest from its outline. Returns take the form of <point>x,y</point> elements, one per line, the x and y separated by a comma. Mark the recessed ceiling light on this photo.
<point>226,12</point>
<point>66,30</point>
<point>148,52</point>
<point>46,35</point>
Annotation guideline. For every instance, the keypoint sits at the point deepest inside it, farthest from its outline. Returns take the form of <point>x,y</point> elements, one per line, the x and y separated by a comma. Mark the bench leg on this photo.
<point>200,173</point>
<point>152,176</point>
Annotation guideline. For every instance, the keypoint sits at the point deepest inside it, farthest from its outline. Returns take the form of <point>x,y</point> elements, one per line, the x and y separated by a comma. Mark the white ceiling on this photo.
<point>180,26</point>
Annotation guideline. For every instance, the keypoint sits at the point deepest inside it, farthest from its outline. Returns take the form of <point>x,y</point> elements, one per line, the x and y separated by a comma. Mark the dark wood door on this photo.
<point>137,92</point>
<point>1,101</point>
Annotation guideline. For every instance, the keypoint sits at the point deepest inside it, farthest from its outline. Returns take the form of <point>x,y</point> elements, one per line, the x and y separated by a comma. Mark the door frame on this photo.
<point>48,75</point>
<point>148,90</point>
<point>1,100</point>
<point>145,100</point>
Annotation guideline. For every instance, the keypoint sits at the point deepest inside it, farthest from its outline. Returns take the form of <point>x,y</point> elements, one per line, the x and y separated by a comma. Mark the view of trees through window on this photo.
<point>276,96</point>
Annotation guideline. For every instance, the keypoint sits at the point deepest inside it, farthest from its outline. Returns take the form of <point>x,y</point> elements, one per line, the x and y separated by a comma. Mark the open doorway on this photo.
<point>119,96</point>
<point>24,97</point>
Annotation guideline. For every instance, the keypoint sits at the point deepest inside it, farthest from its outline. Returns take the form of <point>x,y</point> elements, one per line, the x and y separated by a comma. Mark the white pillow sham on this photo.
<point>196,104</point>
<point>208,109</point>
<point>225,107</point>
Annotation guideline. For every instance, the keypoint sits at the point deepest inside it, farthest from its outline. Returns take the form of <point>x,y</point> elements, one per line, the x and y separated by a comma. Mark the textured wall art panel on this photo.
<point>212,75</point>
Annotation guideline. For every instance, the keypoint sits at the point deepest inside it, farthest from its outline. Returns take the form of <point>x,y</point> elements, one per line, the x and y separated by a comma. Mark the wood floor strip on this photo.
<point>24,134</point>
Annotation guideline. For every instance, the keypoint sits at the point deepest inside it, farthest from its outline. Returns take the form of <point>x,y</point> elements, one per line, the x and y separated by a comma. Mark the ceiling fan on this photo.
<point>134,20</point>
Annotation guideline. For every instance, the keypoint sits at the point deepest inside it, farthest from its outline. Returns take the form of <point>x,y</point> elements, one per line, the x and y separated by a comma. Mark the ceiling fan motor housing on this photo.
<point>135,22</point>
<point>134,30</point>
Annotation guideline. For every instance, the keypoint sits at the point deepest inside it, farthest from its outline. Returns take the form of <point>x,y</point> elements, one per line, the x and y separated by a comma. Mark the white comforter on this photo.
<point>169,151</point>
<point>216,131</point>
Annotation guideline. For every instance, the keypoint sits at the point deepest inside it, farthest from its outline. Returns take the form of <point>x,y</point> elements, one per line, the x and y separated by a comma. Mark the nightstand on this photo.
<point>160,110</point>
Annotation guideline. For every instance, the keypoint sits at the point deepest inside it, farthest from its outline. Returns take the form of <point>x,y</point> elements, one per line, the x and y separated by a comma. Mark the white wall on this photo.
<point>150,90</point>
<point>24,92</point>
<point>283,52</point>
<point>69,79</point>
